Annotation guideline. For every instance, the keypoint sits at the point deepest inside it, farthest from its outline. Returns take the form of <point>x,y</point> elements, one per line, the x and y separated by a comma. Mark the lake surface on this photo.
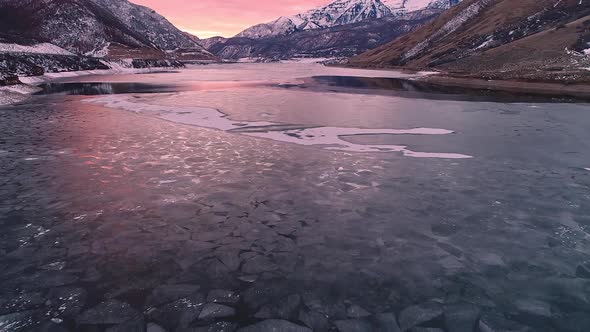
<point>292,196</point>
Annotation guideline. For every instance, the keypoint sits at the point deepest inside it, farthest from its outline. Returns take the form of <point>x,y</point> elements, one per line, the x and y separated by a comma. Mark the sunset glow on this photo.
<point>208,18</point>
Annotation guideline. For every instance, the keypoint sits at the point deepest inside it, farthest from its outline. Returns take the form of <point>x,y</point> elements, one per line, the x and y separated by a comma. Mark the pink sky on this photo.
<point>207,18</point>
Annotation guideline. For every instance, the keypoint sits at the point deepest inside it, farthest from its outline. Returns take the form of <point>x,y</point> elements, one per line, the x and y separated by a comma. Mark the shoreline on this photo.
<point>11,94</point>
<point>534,87</point>
<point>539,87</point>
<point>15,93</point>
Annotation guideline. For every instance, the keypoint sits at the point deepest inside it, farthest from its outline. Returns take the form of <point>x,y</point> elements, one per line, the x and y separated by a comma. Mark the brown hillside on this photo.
<point>497,36</point>
<point>544,52</point>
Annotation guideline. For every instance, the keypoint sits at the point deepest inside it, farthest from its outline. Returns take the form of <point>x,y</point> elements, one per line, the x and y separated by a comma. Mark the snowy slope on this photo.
<point>42,48</point>
<point>341,12</point>
<point>448,28</point>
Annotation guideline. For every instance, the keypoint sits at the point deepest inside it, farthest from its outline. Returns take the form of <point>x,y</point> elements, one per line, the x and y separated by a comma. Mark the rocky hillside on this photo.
<point>90,27</point>
<point>50,36</point>
<point>338,41</point>
<point>536,39</point>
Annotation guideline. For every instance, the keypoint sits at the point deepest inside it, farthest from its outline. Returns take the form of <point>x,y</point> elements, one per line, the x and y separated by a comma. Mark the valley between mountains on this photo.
<point>469,39</point>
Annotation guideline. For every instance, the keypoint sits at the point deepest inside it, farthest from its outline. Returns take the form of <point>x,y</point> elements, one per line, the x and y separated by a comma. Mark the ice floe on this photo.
<point>197,116</point>
<point>331,138</point>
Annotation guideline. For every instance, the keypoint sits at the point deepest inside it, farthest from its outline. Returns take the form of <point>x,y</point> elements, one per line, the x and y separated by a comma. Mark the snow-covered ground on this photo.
<point>43,48</point>
<point>15,93</point>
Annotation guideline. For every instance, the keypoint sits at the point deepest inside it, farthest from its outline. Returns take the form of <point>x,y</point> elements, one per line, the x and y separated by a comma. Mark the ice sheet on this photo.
<point>325,137</point>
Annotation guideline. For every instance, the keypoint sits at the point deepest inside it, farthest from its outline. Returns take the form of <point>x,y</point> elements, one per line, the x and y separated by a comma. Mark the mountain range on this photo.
<point>340,12</point>
<point>334,42</point>
<point>341,28</point>
<point>119,29</point>
<point>507,39</point>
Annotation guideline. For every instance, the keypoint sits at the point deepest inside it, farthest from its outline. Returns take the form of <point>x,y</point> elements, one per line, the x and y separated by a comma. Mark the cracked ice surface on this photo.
<point>181,227</point>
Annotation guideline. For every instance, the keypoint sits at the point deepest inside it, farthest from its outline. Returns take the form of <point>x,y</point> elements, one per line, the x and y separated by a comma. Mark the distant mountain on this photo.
<point>496,38</point>
<point>94,27</point>
<point>208,42</point>
<point>338,41</point>
<point>342,28</point>
<point>340,12</point>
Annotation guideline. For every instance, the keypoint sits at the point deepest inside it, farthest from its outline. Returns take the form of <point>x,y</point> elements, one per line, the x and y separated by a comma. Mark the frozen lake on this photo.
<point>223,196</point>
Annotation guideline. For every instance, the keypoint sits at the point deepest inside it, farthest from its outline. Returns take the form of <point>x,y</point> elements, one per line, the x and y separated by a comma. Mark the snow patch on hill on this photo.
<point>43,48</point>
<point>100,52</point>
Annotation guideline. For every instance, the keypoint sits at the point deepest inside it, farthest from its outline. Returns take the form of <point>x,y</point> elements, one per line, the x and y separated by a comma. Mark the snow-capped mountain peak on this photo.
<point>346,11</point>
<point>340,12</point>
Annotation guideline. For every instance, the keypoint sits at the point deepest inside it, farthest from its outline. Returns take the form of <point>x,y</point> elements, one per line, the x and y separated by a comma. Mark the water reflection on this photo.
<point>399,87</point>
<point>113,88</point>
<point>91,89</point>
